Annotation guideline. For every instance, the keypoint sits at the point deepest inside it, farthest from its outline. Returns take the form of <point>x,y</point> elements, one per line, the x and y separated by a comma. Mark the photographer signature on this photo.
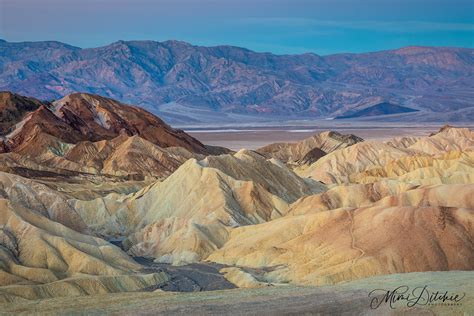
<point>420,296</point>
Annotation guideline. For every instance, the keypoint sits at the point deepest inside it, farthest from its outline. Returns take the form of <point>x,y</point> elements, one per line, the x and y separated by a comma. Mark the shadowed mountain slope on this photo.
<point>12,109</point>
<point>378,109</point>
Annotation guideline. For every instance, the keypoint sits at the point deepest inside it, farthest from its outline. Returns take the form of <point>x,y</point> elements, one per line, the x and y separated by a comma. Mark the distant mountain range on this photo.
<point>184,83</point>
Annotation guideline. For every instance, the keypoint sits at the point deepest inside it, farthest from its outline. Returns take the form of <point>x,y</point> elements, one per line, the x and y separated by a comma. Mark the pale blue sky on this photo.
<point>279,26</point>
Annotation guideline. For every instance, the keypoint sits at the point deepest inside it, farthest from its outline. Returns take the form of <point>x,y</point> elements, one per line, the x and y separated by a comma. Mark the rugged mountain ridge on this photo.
<point>225,79</point>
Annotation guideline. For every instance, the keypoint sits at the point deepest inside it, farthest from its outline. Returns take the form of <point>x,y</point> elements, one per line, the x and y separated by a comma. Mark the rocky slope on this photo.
<point>13,107</point>
<point>103,118</point>
<point>226,79</point>
<point>130,156</point>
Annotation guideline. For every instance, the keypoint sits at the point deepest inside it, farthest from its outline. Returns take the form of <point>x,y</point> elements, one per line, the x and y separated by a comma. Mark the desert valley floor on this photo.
<point>104,208</point>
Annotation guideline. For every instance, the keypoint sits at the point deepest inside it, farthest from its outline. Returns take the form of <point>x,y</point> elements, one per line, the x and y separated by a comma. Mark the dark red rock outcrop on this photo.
<point>84,117</point>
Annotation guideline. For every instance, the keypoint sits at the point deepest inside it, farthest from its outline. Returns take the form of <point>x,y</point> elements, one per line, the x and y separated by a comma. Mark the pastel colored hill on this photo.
<point>339,166</point>
<point>420,230</point>
<point>43,241</point>
<point>190,214</point>
<point>309,150</point>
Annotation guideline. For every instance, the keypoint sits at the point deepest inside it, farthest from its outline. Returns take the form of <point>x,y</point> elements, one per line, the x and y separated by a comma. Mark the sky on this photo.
<point>279,26</point>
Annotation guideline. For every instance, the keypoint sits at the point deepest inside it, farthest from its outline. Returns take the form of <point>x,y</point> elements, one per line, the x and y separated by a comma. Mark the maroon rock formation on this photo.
<point>81,117</point>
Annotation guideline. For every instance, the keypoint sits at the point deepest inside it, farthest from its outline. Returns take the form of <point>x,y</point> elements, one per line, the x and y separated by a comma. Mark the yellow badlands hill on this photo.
<point>310,148</point>
<point>451,167</point>
<point>339,166</point>
<point>46,249</point>
<point>190,214</point>
<point>427,229</point>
